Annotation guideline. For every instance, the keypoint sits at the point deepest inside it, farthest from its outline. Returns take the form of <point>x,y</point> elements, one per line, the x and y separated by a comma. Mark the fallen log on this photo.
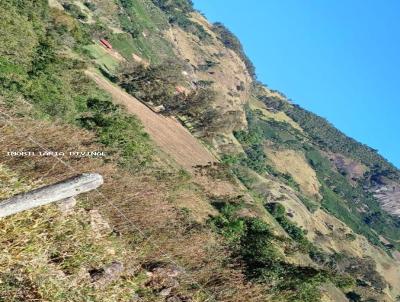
<point>56,192</point>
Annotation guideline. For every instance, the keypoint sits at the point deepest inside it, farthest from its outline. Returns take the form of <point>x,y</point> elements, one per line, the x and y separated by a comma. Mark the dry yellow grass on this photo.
<point>279,116</point>
<point>226,75</point>
<point>46,256</point>
<point>329,233</point>
<point>51,254</point>
<point>295,164</point>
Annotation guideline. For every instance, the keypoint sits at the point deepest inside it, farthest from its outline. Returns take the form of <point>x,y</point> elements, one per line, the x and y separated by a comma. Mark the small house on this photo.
<point>105,43</point>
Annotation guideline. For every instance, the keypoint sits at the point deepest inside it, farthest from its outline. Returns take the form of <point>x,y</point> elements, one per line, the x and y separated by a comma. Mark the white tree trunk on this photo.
<point>59,191</point>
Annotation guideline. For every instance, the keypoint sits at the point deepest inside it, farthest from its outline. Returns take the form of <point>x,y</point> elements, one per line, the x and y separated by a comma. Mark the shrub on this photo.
<point>156,85</point>
<point>297,234</point>
<point>353,297</point>
<point>128,26</point>
<point>232,42</point>
<point>255,243</point>
<point>121,132</point>
<point>330,138</point>
<point>153,84</point>
<point>227,224</point>
<point>184,6</point>
<point>75,11</point>
<point>178,13</point>
<point>90,5</point>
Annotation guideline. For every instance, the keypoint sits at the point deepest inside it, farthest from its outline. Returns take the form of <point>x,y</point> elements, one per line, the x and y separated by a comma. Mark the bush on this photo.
<point>153,84</point>
<point>128,26</point>
<point>178,13</point>
<point>184,6</point>
<point>156,85</point>
<point>90,5</point>
<point>121,132</point>
<point>75,11</point>
<point>255,243</point>
<point>232,42</point>
<point>297,234</point>
<point>58,89</point>
<point>353,297</point>
<point>227,224</point>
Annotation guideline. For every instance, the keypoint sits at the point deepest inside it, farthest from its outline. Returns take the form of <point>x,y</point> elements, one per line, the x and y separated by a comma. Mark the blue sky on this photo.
<point>339,59</point>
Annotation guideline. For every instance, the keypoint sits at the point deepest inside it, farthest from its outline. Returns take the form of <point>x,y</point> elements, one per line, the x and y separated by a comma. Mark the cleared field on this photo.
<point>103,57</point>
<point>166,132</point>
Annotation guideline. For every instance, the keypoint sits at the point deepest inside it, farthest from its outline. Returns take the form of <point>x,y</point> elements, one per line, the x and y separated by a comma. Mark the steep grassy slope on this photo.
<point>257,200</point>
<point>344,177</point>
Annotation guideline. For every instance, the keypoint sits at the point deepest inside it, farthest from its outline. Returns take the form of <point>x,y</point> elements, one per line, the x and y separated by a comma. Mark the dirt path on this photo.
<point>166,132</point>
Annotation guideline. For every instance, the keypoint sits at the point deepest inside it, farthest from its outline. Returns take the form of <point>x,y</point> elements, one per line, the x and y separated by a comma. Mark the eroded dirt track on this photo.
<point>166,132</point>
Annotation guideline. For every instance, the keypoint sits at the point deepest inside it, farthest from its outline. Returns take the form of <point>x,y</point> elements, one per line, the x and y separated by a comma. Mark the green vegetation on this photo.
<point>310,204</point>
<point>253,144</point>
<point>143,15</point>
<point>127,46</point>
<point>345,201</point>
<point>75,11</point>
<point>102,57</point>
<point>330,138</point>
<point>278,211</point>
<point>121,132</point>
<point>143,24</point>
<point>157,85</point>
<point>263,254</point>
<point>42,63</point>
<point>232,42</point>
<point>90,5</point>
<point>58,89</point>
<point>341,198</point>
<point>178,13</point>
<point>255,243</point>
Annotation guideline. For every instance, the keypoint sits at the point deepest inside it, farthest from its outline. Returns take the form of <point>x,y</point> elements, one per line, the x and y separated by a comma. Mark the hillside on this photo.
<point>217,188</point>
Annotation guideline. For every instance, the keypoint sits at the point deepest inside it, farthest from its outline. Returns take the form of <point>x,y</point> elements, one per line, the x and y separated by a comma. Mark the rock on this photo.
<point>163,277</point>
<point>135,298</point>
<point>290,214</point>
<point>103,276</point>
<point>165,292</point>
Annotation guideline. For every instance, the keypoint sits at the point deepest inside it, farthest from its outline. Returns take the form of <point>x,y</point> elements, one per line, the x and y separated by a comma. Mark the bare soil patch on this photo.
<point>166,132</point>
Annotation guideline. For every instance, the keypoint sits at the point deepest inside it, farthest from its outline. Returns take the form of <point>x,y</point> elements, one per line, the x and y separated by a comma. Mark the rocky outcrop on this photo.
<point>389,197</point>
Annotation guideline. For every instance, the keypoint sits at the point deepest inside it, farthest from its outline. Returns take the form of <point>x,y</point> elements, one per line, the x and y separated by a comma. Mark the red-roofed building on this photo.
<point>106,43</point>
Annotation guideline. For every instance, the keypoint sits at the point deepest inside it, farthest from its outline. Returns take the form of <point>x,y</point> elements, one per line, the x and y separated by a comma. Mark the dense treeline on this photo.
<point>178,13</point>
<point>327,137</point>
<point>160,84</point>
<point>330,138</point>
<point>232,42</point>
